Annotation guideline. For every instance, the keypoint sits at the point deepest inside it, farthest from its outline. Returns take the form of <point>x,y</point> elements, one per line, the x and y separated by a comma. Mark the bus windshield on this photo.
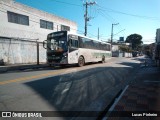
<point>58,43</point>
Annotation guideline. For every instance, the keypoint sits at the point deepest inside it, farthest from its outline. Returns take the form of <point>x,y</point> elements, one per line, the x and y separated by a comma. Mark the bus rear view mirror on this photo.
<point>45,44</point>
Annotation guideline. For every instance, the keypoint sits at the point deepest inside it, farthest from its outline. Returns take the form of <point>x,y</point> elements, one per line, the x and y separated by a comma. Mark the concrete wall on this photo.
<point>33,31</point>
<point>15,51</point>
<point>117,53</point>
<point>127,54</point>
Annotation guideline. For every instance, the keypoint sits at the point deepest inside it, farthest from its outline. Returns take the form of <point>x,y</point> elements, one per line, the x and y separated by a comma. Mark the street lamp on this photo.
<point>112,34</point>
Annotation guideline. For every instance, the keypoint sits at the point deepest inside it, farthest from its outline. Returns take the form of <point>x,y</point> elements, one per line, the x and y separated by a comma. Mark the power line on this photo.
<point>111,20</point>
<point>133,15</point>
<point>67,3</point>
<point>104,15</point>
<point>119,32</point>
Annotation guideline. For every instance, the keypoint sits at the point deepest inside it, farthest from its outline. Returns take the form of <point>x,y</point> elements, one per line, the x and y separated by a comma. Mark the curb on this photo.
<point>21,67</point>
<point>4,69</point>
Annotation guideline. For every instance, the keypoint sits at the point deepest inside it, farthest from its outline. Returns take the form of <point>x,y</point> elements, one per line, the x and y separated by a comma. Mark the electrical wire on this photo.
<point>107,17</point>
<point>133,15</point>
<point>66,3</point>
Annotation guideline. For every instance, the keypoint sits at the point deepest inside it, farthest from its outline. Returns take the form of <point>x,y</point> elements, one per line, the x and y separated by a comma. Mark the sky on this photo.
<point>134,16</point>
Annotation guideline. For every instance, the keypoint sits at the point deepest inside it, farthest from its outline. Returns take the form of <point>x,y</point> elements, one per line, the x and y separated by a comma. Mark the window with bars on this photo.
<point>18,18</point>
<point>46,24</point>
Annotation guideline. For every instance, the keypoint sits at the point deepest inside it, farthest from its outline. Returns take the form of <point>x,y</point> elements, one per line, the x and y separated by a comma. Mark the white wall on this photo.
<point>13,51</point>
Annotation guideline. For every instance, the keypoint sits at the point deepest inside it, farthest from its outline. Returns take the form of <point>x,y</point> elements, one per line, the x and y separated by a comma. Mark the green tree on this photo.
<point>135,40</point>
<point>125,48</point>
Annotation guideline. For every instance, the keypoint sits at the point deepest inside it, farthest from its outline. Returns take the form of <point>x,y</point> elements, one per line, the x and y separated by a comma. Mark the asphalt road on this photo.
<point>88,88</point>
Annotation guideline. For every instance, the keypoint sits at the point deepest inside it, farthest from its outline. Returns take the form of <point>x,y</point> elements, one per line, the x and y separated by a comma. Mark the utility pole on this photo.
<point>98,33</point>
<point>86,18</point>
<point>37,51</point>
<point>112,33</point>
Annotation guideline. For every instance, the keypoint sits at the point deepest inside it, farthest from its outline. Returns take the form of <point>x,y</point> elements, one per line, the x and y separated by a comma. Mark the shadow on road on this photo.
<point>86,90</point>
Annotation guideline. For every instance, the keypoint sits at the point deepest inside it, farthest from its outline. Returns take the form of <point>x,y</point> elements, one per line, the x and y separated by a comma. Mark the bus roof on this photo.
<point>71,33</point>
<point>87,37</point>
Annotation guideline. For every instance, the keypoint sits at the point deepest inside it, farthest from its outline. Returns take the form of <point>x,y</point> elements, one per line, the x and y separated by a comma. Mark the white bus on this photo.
<point>64,48</point>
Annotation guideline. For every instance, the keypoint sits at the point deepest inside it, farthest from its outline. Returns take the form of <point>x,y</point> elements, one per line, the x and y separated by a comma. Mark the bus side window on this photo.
<point>70,42</point>
<point>77,44</point>
<point>73,43</point>
<point>109,47</point>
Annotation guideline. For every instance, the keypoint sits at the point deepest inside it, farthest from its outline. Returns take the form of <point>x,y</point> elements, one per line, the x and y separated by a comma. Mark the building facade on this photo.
<point>21,21</point>
<point>21,25</point>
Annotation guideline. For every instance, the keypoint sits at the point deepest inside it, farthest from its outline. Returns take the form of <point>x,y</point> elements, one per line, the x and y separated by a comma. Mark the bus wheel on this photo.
<point>81,61</point>
<point>103,59</point>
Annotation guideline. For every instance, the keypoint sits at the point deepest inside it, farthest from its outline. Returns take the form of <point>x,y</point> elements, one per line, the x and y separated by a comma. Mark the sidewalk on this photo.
<point>141,98</point>
<point>21,67</point>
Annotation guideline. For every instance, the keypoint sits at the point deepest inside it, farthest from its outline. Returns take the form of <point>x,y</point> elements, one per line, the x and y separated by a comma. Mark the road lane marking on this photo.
<point>115,103</point>
<point>64,71</point>
<point>32,77</point>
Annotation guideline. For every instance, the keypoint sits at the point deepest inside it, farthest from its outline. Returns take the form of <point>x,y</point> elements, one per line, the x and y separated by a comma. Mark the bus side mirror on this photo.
<point>45,44</point>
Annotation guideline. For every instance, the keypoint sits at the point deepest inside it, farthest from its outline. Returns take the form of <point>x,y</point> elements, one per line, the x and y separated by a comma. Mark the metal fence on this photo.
<point>21,51</point>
